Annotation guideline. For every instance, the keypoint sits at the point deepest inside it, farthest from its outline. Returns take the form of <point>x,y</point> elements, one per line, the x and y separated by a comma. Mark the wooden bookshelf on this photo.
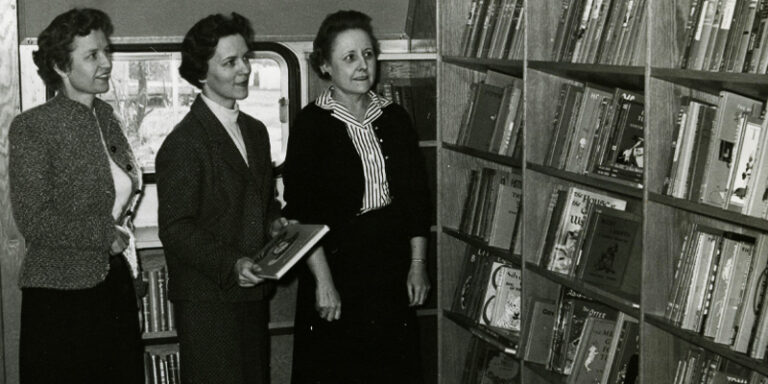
<point>510,67</point>
<point>615,301</point>
<point>747,84</point>
<point>612,75</point>
<point>506,343</point>
<point>504,254</point>
<point>492,157</point>
<point>696,339</point>
<point>736,218</point>
<point>587,180</point>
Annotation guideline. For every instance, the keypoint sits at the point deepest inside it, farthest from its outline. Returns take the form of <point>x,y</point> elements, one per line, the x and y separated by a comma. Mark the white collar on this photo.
<point>225,115</point>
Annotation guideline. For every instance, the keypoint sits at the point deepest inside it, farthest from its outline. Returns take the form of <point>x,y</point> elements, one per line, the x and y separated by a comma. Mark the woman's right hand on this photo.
<point>328,302</point>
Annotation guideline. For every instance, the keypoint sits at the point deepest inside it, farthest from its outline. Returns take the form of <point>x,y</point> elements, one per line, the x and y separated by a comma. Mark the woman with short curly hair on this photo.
<point>73,180</point>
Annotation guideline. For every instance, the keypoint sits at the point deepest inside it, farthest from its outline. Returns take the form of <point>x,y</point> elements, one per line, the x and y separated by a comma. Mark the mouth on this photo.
<point>104,77</point>
<point>243,83</point>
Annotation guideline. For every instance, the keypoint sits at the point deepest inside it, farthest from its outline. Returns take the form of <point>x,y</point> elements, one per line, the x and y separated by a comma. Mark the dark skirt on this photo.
<point>223,343</point>
<point>376,339</point>
<point>82,336</point>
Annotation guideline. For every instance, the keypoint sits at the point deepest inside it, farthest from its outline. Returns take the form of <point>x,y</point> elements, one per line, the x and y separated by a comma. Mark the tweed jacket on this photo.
<point>213,208</point>
<point>62,191</point>
<point>324,179</point>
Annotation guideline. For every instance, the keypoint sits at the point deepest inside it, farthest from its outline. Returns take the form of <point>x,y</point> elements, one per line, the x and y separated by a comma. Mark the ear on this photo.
<point>61,73</point>
<point>325,69</point>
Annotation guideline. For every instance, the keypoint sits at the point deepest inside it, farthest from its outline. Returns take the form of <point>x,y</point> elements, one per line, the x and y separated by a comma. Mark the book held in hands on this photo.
<point>288,247</point>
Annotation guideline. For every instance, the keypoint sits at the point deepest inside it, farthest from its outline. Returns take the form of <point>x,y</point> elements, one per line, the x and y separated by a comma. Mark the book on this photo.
<point>610,239</point>
<point>542,320</point>
<point>570,224</point>
<point>594,348</point>
<point>287,248</point>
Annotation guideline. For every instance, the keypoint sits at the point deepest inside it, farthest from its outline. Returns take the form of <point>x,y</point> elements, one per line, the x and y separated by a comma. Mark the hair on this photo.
<point>200,43</point>
<point>332,26</point>
<point>55,42</point>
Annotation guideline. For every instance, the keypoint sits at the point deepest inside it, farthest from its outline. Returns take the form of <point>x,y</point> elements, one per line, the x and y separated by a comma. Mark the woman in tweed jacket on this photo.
<point>72,177</point>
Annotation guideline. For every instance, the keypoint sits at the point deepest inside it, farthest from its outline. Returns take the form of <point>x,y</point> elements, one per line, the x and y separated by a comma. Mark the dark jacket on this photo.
<point>213,208</point>
<point>324,180</point>
<point>62,191</point>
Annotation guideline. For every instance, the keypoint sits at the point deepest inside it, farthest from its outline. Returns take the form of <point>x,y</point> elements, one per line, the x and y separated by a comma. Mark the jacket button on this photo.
<point>129,167</point>
<point>113,149</point>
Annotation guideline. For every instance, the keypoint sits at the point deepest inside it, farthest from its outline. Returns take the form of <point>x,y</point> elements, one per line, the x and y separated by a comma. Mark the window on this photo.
<point>147,92</point>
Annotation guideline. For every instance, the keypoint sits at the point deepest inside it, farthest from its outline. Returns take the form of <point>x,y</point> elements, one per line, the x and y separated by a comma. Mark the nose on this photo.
<point>245,66</point>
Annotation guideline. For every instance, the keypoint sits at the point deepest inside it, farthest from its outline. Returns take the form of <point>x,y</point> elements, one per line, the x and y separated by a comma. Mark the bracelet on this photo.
<point>418,261</point>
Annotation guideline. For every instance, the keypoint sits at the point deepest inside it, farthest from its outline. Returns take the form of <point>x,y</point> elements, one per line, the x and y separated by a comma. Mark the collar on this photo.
<point>326,101</point>
<point>226,116</point>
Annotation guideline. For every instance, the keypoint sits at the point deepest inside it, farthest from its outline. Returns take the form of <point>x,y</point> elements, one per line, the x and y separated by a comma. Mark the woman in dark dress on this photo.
<point>353,163</point>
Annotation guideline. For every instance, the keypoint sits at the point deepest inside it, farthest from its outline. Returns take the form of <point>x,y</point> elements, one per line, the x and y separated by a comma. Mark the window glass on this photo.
<point>151,98</point>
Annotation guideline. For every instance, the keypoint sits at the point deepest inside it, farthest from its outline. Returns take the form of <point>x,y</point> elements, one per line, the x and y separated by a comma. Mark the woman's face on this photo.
<point>228,71</point>
<point>352,64</point>
<point>91,67</point>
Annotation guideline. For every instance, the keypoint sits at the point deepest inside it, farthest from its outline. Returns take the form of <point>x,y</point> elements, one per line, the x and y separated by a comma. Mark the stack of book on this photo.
<point>601,32</point>
<point>488,293</point>
<point>157,310</point>
<point>494,116</point>
<point>726,36</point>
<point>161,368</point>
<point>699,366</point>
<point>598,131</point>
<point>590,237</point>
<point>721,154</point>
<point>491,207</point>
<point>719,289</point>
<point>486,364</point>
<point>494,30</point>
<point>583,339</point>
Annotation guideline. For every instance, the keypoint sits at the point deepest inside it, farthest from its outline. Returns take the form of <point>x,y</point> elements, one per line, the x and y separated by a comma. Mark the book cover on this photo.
<point>492,282</point>
<point>506,311</point>
<point>462,297</point>
<point>542,321</point>
<point>749,310</point>
<point>731,111</point>
<point>593,99</point>
<point>608,247</point>
<point>288,247</point>
<point>593,350</point>
<point>571,224</point>
<point>624,366</point>
<point>734,294</point>
<point>741,175</point>
<point>507,207</point>
<point>483,119</point>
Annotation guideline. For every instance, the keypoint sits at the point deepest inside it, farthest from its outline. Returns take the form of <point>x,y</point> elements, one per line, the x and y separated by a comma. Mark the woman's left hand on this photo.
<point>418,283</point>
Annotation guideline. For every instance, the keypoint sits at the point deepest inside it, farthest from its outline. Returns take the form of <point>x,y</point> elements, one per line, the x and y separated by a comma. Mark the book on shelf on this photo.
<point>485,364</point>
<point>611,238</point>
<point>465,296</point>
<point>162,367</point>
<point>507,309</point>
<point>285,249</point>
<point>592,353</point>
<point>541,320</point>
<point>572,311</point>
<point>726,36</point>
<point>492,29</point>
<point>491,206</point>
<point>567,222</point>
<point>600,32</point>
<point>719,288</point>
<point>622,364</point>
<point>156,308</point>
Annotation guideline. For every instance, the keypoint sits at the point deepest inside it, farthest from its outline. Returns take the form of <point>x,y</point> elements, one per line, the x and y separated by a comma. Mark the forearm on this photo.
<point>419,248</point>
<point>318,265</point>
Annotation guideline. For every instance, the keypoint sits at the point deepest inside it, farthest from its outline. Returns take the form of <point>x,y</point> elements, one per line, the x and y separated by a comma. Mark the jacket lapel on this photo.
<point>221,143</point>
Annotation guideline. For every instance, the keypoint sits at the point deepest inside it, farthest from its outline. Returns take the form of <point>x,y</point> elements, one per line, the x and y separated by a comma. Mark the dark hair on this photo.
<point>55,42</point>
<point>200,43</point>
<point>332,26</point>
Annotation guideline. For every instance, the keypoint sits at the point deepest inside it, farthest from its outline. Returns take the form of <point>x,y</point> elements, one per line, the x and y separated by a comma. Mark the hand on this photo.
<point>276,226</point>
<point>121,240</point>
<point>418,283</point>
<point>245,270</point>
<point>328,302</point>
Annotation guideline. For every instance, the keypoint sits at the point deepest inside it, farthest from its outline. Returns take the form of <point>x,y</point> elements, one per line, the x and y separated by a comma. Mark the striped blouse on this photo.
<point>366,144</point>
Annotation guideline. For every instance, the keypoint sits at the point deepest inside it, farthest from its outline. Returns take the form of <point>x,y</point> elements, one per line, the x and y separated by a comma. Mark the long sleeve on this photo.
<point>45,215</point>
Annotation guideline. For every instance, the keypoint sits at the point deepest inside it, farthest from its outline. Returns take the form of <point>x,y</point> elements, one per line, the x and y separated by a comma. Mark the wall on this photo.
<point>11,243</point>
<point>284,20</point>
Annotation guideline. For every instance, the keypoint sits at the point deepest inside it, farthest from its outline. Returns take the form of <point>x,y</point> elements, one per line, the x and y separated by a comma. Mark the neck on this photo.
<point>82,98</point>
<point>353,102</point>
<point>224,102</point>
